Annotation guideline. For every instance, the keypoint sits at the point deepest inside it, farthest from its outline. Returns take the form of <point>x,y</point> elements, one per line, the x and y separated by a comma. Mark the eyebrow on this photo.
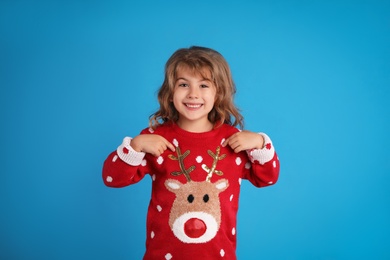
<point>203,79</point>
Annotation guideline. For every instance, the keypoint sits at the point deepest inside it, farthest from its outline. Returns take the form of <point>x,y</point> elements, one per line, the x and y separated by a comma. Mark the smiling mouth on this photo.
<point>193,106</point>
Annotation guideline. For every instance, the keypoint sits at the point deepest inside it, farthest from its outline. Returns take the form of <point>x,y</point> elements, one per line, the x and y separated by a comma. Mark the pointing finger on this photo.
<point>171,146</point>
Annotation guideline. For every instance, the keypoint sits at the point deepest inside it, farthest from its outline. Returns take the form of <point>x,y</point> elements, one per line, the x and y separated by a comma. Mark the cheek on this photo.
<point>213,97</point>
<point>176,100</point>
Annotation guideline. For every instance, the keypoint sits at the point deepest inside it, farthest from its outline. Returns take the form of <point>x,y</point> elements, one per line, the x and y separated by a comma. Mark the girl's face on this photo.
<point>193,98</point>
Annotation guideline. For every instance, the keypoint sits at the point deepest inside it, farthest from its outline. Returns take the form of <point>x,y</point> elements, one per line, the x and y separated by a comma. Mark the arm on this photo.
<point>260,150</point>
<point>126,165</point>
<point>123,166</point>
<point>265,164</point>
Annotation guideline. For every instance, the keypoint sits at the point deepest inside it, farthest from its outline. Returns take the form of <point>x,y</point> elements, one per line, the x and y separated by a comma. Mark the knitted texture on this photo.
<point>195,190</point>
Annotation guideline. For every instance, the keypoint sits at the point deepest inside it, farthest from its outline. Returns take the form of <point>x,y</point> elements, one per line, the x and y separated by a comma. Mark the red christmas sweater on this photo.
<point>195,190</point>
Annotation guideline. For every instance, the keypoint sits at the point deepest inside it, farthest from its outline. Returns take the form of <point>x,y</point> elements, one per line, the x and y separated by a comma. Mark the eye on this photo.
<point>184,85</point>
<point>206,198</point>
<point>204,86</point>
<point>190,198</point>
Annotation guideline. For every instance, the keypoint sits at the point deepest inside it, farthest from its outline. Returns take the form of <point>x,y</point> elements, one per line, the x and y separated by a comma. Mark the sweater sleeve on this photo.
<point>123,166</point>
<point>265,164</point>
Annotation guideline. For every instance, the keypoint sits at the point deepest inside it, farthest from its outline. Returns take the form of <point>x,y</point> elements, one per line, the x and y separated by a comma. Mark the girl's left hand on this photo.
<point>244,140</point>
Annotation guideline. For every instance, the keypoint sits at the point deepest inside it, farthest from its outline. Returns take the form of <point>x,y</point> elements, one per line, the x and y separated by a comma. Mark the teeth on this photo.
<point>193,106</point>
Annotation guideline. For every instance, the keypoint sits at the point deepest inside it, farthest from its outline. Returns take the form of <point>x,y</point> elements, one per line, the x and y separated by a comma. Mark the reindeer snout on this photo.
<point>194,227</point>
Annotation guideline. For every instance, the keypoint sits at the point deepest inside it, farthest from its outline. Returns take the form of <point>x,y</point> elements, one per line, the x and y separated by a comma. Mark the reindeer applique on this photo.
<point>195,216</point>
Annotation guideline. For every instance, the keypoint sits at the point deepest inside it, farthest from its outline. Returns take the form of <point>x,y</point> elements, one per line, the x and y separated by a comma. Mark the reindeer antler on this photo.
<point>180,157</point>
<point>216,158</point>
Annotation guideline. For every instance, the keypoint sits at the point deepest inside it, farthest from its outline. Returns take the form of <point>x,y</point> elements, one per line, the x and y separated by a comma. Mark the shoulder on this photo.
<point>228,129</point>
<point>160,129</point>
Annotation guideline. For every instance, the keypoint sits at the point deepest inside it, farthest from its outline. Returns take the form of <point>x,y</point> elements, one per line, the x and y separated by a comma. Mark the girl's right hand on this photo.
<point>151,143</point>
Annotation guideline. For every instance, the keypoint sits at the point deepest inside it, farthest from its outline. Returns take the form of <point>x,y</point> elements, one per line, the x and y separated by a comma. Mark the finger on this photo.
<point>228,140</point>
<point>170,146</point>
<point>225,142</point>
<point>159,151</point>
<point>238,149</point>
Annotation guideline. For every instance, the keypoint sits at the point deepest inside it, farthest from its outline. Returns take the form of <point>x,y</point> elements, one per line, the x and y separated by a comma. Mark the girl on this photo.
<point>196,158</point>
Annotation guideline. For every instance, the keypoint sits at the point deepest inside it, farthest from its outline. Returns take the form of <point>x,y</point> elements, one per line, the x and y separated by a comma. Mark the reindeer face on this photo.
<point>195,216</point>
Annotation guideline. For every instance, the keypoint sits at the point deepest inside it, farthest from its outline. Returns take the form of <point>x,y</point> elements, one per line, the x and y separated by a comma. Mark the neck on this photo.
<point>195,127</point>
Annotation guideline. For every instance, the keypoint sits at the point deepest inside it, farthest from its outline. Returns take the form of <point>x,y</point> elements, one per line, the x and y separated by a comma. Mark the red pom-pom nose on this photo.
<point>194,227</point>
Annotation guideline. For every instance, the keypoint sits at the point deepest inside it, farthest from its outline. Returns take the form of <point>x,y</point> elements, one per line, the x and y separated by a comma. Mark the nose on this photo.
<point>193,92</point>
<point>194,228</point>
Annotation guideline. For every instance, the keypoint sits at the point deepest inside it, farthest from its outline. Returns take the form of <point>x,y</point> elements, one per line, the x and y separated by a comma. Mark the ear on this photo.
<point>173,185</point>
<point>222,184</point>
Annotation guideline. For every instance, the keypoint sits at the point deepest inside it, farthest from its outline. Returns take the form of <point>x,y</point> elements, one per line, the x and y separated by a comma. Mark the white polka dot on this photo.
<point>154,177</point>
<point>248,165</point>
<point>168,256</point>
<point>115,158</point>
<point>109,179</point>
<point>151,130</point>
<point>231,197</point>
<point>143,163</point>
<point>233,231</point>
<point>159,208</point>
<point>199,159</point>
<point>239,180</point>
<point>274,164</point>
<point>152,234</point>
<point>175,142</point>
<point>270,182</point>
<point>222,252</point>
<point>238,160</point>
<point>223,140</point>
<point>160,160</point>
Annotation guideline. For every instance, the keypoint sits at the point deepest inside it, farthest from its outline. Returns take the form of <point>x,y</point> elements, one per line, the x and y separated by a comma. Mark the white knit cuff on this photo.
<point>128,154</point>
<point>262,155</point>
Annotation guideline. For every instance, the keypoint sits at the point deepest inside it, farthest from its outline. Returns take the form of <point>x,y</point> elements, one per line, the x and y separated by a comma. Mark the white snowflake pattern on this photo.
<point>199,159</point>
<point>160,160</point>
<point>248,165</point>
<point>238,161</point>
<point>143,163</point>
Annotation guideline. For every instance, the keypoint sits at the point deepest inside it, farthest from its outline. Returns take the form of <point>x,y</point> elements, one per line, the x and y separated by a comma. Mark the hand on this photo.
<point>151,143</point>
<point>244,140</point>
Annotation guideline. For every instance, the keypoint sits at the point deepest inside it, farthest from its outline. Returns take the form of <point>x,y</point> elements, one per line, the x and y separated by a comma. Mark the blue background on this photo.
<point>78,76</point>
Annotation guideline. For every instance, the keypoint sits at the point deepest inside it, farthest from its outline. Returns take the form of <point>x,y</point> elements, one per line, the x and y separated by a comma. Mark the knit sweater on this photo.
<point>195,190</point>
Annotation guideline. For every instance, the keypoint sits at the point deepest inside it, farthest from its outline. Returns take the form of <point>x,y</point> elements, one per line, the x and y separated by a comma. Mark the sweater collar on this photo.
<point>188,134</point>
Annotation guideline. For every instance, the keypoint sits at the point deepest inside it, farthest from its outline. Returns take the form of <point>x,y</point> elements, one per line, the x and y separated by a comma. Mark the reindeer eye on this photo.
<point>190,198</point>
<point>206,198</point>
